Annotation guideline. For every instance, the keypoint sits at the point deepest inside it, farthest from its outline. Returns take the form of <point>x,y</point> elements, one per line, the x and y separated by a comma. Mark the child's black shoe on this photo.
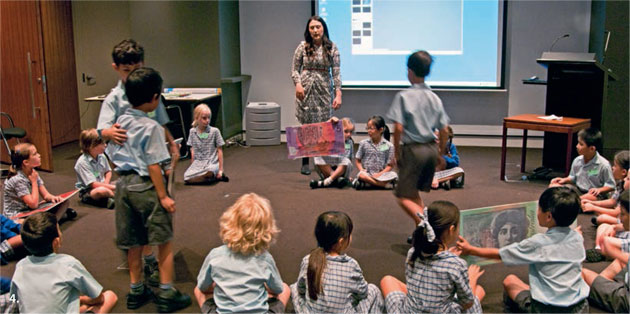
<point>135,301</point>
<point>111,203</point>
<point>314,184</point>
<point>342,182</point>
<point>224,178</point>
<point>171,300</point>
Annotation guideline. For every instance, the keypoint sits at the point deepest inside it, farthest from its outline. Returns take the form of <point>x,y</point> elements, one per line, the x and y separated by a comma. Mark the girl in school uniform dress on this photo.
<point>206,150</point>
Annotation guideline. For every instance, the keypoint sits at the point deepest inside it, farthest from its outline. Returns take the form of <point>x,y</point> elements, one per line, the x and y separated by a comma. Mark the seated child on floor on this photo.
<point>437,279</point>
<point>591,176</point>
<point>610,289</point>
<point>554,258</point>
<point>375,157</point>
<point>23,187</point>
<point>93,172</point>
<point>206,150</point>
<point>606,210</point>
<point>329,280</point>
<point>48,282</point>
<point>241,275</point>
<point>615,229</point>
<point>335,170</point>
<point>448,160</point>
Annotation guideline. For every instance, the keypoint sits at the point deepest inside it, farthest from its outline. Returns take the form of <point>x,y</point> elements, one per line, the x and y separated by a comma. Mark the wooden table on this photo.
<point>533,122</point>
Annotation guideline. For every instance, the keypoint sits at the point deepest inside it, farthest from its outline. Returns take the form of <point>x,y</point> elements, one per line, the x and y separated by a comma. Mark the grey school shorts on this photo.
<point>611,295</point>
<point>275,306</point>
<point>140,218</point>
<point>526,304</point>
<point>416,169</point>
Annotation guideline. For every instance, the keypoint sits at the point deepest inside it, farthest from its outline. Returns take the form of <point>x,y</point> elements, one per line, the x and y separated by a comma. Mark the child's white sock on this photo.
<point>327,181</point>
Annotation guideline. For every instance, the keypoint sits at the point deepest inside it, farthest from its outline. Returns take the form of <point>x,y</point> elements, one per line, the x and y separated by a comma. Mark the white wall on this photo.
<point>270,31</point>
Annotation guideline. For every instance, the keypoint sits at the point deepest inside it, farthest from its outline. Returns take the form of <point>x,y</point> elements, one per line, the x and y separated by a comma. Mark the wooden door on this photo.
<point>23,88</point>
<point>61,79</point>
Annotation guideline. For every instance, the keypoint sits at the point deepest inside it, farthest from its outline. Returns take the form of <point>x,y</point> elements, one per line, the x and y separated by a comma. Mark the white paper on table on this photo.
<point>551,117</point>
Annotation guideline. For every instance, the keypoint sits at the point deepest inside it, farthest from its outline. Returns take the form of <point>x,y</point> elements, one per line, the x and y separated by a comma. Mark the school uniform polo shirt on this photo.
<point>420,111</point>
<point>594,174</point>
<point>90,170</point>
<point>145,145</point>
<point>52,284</point>
<point>116,103</point>
<point>555,265</point>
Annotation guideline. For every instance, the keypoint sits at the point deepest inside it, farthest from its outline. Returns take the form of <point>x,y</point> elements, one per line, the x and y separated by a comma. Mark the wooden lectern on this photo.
<point>576,87</point>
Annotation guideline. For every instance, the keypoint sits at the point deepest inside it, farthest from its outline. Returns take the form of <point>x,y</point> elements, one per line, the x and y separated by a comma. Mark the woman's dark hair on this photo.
<point>326,43</point>
<point>442,215</point>
<point>379,123</point>
<point>517,217</point>
<point>38,232</point>
<point>330,227</point>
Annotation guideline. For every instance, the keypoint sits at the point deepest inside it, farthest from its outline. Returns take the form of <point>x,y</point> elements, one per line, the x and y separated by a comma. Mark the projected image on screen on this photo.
<point>375,37</point>
<point>379,28</point>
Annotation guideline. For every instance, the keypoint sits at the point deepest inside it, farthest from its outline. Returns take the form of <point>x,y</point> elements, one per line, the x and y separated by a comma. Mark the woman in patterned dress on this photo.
<point>315,73</point>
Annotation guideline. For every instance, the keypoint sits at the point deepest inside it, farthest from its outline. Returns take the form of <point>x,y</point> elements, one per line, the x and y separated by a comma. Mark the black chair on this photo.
<point>11,132</point>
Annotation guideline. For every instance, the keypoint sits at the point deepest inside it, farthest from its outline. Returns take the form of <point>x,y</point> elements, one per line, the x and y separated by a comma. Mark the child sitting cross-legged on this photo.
<point>375,157</point>
<point>206,150</point>
<point>554,258</point>
<point>48,282</point>
<point>609,289</point>
<point>93,172</point>
<point>241,276</point>
<point>606,210</point>
<point>438,281</point>
<point>331,281</point>
<point>334,170</point>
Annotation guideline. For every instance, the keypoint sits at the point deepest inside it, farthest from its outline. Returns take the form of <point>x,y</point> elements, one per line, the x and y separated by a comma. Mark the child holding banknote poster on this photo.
<point>334,170</point>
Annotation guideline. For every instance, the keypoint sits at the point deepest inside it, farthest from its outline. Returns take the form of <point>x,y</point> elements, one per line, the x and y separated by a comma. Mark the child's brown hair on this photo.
<point>20,153</point>
<point>88,139</point>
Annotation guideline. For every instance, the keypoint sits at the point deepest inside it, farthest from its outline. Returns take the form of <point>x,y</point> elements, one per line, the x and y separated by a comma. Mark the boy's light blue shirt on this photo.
<point>420,111</point>
<point>240,280</point>
<point>555,265</point>
<point>90,170</point>
<point>116,103</point>
<point>594,174</point>
<point>52,284</point>
<point>145,145</point>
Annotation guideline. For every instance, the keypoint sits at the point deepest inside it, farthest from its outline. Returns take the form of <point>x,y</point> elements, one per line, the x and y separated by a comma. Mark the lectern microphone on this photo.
<point>555,41</point>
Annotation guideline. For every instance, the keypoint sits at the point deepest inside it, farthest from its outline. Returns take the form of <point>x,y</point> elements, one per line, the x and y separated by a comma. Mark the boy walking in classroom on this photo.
<point>554,258</point>
<point>143,208</point>
<point>591,175</point>
<point>416,113</point>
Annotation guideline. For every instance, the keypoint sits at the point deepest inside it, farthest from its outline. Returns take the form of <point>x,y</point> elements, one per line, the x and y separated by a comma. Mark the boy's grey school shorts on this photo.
<point>526,304</point>
<point>416,169</point>
<point>611,295</point>
<point>140,218</point>
<point>275,306</point>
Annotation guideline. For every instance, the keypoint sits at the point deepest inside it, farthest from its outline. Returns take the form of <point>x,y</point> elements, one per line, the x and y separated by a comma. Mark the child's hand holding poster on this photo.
<point>317,139</point>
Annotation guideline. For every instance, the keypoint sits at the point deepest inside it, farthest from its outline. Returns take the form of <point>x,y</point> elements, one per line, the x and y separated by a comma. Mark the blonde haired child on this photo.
<point>438,281</point>
<point>241,275</point>
<point>93,171</point>
<point>331,281</point>
<point>205,149</point>
<point>334,170</point>
<point>24,186</point>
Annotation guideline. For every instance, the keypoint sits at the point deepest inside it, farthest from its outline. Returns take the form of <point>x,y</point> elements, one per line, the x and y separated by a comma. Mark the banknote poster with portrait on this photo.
<point>498,226</point>
<point>316,139</point>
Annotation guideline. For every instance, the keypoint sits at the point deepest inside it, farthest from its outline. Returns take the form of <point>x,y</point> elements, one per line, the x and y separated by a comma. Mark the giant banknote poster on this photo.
<point>498,226</point>
<point>316,139</point>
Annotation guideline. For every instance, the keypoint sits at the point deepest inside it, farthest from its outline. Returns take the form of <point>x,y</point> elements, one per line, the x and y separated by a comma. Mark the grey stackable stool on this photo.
<point>262,123</point>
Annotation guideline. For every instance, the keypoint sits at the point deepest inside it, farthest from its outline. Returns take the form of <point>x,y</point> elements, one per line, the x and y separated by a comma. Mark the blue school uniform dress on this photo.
<point>116,103</point>
<point>375,157</point>
<point>204,146</point>
<point>15,188</point>
<point>437,284</point>
<point>344,289</point>
<point>596,173</point>
<point>240,280</point>
<point>555,265</point>
<point>52,284</point>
